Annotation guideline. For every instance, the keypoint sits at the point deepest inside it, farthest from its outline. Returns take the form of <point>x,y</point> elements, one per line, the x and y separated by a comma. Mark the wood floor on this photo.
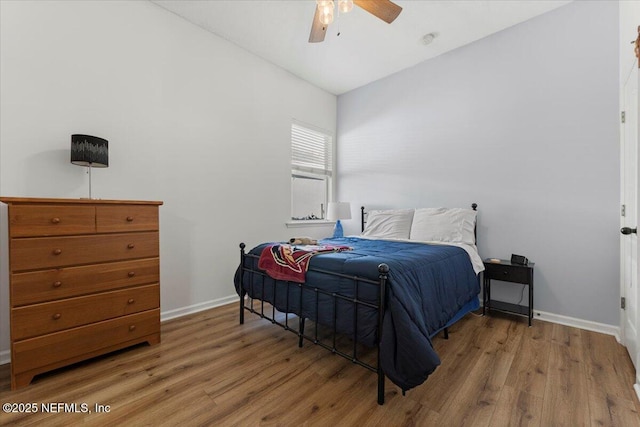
<point>209,370</point>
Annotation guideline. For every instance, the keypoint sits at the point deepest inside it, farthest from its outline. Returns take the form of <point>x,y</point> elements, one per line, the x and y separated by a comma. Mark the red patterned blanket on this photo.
<point>287,262</point>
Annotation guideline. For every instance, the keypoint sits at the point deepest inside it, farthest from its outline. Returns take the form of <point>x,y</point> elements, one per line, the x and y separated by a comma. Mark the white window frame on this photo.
<point>314,171</point>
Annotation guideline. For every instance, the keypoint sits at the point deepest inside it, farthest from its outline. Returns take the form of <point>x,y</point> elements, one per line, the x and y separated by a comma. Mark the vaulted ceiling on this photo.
<point>359,48</point>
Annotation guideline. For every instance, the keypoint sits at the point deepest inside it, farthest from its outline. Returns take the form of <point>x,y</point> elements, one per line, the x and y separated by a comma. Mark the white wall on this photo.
<point>523,122</point>
<point>191,119</point>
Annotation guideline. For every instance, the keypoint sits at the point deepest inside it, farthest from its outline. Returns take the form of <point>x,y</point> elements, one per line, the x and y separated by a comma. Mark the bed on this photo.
<point>386,288</point>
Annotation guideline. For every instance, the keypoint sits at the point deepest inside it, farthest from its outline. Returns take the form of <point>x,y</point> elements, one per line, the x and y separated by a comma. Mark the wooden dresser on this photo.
<point>83,280</point>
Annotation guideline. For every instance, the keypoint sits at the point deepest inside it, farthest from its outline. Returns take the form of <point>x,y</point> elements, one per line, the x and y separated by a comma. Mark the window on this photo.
<point>311,172</point>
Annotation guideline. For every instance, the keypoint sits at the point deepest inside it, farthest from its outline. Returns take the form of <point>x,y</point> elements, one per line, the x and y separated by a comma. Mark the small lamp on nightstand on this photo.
<point>337,211</point>
<point>90,151</point>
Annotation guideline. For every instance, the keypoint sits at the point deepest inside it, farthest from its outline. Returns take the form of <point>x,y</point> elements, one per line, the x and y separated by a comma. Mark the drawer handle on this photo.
<point>132,327</point>
<point>57,251</point>
<point>55,220</point>
<point>57,284</point>
<point>131,246</point>
<point>131,273</point>
<point>56,316</point>
<point>129,219</point>
<point>131,301</point>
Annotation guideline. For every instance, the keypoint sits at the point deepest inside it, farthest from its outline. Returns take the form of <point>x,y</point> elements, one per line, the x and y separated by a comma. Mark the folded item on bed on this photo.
<point>288,262</point>
<point>302,241</point>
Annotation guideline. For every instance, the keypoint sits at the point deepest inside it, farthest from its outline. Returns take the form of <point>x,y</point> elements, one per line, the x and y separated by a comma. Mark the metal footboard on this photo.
<point>248,303</point>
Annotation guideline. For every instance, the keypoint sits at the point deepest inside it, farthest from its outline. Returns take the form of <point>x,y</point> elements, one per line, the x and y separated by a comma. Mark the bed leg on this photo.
<point>383,269</point>
<point>242,307</point>
<point>242,291</point>
<point>446,333</point>
<point>301,333</point>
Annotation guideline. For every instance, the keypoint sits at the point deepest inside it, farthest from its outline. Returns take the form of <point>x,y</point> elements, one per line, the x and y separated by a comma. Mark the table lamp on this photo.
<point>90,151</point>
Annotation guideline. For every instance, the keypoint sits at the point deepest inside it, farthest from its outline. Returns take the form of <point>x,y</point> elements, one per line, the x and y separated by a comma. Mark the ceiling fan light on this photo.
<point>326,12</point>
<point>345,6</point>
<point>326,18</point>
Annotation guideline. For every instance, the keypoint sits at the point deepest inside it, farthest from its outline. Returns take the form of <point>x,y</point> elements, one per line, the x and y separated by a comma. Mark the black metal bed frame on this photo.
<point>381,283</point>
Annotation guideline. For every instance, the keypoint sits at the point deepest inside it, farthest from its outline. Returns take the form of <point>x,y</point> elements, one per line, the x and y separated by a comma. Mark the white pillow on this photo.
<point>389,224</point>
<point>454,225</point>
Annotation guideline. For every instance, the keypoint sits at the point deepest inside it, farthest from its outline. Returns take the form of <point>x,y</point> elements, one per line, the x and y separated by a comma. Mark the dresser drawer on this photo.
<point>79,343</point>
<point>26,220</point>
<point>116,219</point>
<point>47,252</point>
<point>53,284</point>
<point>507,273</point>
<point>39,319</point>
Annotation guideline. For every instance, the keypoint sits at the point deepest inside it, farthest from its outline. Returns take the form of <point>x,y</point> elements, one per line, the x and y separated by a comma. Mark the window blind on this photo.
<point>311,151</point>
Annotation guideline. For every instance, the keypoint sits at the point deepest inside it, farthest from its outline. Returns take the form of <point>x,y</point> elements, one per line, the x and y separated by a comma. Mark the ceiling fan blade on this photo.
<point>318,29</point>
<point>386,10</point>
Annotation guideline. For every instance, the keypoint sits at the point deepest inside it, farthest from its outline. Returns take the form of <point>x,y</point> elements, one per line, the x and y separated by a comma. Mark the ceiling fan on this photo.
<point>386,10</point>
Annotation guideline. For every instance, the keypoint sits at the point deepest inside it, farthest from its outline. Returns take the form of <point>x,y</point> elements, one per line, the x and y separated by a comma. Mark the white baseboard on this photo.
<point>588,325</point>
<point>183,311</point>
<point>5,357</point>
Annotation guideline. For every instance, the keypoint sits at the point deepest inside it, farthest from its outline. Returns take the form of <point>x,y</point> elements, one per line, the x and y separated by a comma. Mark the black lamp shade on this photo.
<point>87,150</point>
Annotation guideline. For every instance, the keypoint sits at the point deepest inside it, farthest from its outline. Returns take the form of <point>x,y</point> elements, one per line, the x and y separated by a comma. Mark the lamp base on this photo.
<point>90,180</point>
<point>337,230</point>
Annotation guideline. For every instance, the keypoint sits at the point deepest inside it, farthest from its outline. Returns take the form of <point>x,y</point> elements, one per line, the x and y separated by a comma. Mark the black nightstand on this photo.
<point>508,272</point>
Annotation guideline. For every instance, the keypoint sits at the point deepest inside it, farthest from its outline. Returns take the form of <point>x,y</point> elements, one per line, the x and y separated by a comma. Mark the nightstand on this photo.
<point>507,272</point>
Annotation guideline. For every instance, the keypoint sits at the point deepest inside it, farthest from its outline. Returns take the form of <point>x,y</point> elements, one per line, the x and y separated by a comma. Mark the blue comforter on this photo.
<point>428,287</point>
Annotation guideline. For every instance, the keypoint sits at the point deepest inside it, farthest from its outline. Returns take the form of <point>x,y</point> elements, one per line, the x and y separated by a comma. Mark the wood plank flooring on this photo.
<point>209,370</point>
